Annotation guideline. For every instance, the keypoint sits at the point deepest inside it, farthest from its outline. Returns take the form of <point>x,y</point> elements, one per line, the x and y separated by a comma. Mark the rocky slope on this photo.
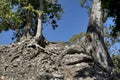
<point>56,61</point>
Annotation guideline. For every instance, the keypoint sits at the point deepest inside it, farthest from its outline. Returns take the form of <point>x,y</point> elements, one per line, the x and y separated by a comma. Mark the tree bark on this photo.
<point>26,28</point>
<point>95,29</point>
<point>39,25</point>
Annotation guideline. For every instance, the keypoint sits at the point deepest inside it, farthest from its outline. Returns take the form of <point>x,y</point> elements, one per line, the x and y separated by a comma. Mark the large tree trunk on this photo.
<point>95,29</point>
<point>39,25</point>
<point>26,28</point>
<point>39,37</point>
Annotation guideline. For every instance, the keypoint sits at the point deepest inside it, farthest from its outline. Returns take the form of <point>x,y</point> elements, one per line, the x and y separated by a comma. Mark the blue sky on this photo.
<point>74,20</point>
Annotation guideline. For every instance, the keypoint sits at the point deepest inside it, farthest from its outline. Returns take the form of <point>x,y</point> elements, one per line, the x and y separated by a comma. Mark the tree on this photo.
<point>112,9</point>
<point>9,19</point>
<point>54,13</point>
<point>95,29</point>
<point>27,16</point>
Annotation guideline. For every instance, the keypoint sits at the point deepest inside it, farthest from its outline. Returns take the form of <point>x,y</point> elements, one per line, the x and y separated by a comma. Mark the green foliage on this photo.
<point>8,18</point>
<point>76,37</point>
<point>116,61</point>
<point>15,14</point>
<point>52,12</point>
<point>113,8</point>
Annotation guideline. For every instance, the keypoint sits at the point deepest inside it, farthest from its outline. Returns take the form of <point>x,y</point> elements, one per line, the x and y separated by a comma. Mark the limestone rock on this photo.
<point>57,61</point>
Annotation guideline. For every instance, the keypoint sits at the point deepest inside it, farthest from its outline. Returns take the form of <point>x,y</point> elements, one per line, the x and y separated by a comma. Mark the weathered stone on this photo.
<point>57,61</point>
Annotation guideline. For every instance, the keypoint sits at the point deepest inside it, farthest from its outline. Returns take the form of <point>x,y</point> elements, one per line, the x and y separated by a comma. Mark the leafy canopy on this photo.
<point>9,19</point>
<point>113,9</point>
<point>13,14</point>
